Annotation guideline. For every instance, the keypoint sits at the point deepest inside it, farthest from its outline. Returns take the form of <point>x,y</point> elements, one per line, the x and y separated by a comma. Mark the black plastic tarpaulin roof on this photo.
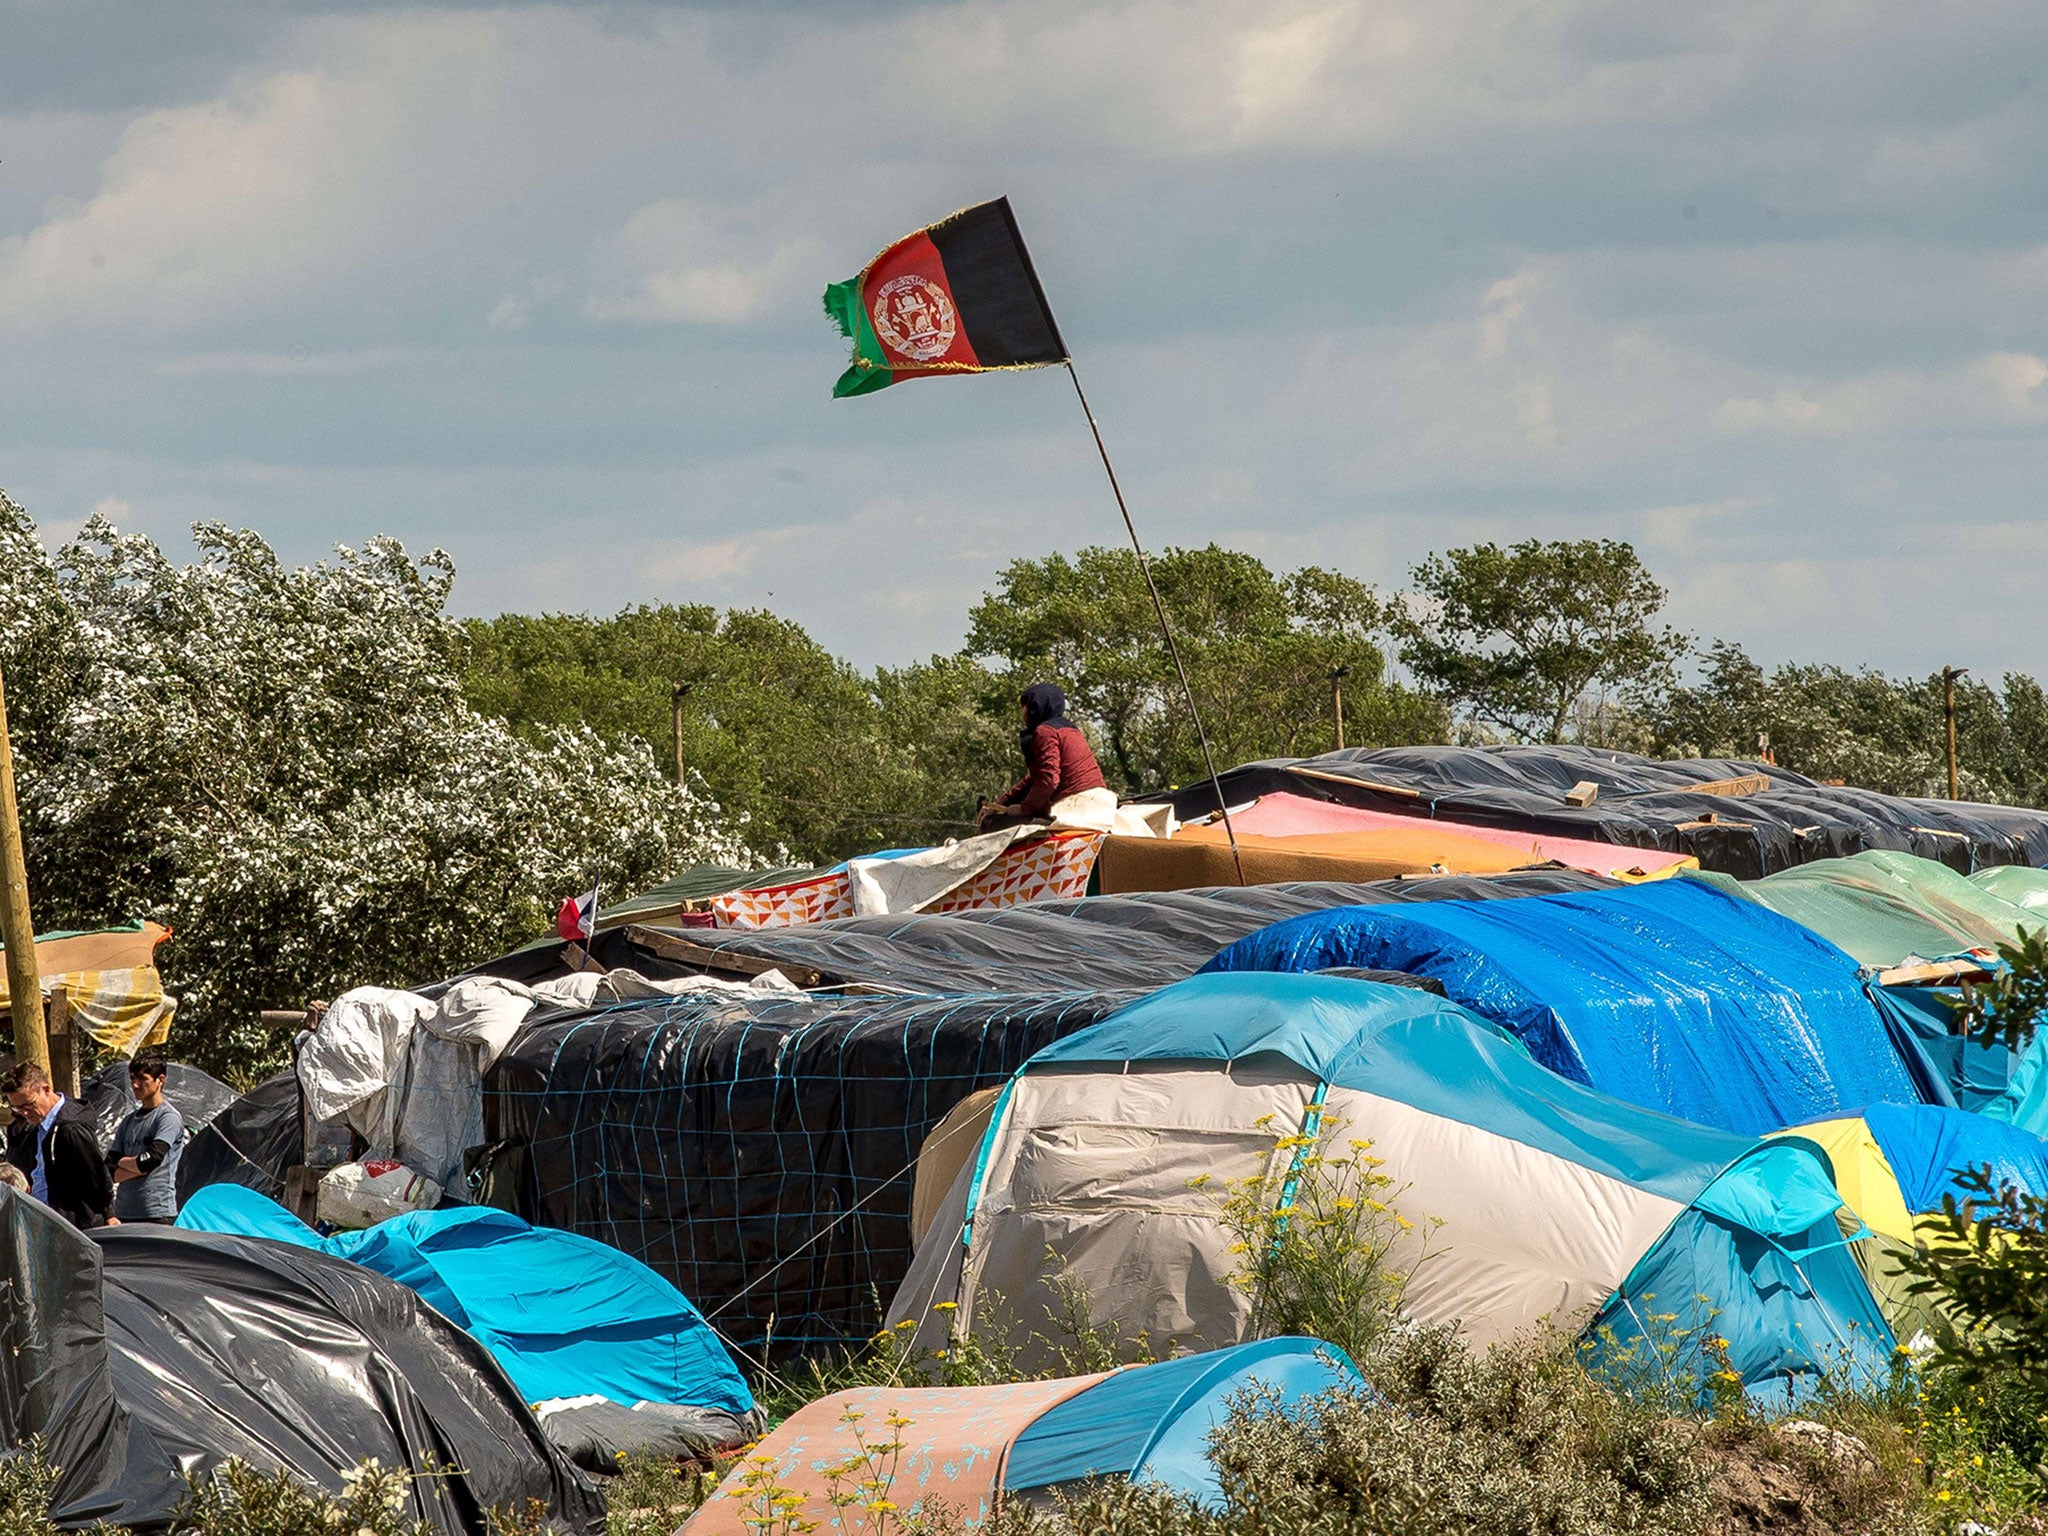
<point>758,1152</point>
<point>140,1354</point>
<point>254,1141</point>
<point>1148,939</point>
<point>1646,803</point>
<point>231,1346</point>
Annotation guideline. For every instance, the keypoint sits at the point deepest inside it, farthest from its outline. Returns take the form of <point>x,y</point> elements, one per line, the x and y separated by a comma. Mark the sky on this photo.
<point>1762,288</point>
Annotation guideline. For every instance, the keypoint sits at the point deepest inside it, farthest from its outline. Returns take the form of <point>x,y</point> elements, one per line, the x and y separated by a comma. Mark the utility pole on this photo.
<point>677,693</point>
<point>1337,676</point>
<point>1948,687</point>
<point>17,930</point>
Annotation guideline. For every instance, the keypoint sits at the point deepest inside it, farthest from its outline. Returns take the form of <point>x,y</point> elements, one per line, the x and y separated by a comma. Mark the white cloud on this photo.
<point>683,260</point>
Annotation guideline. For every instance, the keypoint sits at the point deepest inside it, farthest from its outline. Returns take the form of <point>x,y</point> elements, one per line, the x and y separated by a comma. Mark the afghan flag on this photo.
<point>957,297</point>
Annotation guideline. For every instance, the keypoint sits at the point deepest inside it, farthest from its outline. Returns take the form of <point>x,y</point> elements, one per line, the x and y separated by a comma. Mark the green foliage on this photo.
<point>2010,1008</point>
<point>1861,727</point>
<point>1518,636</point>
<point>240,1501</point>
<point>27,1484</point>
<point>1315,1240</point>
<point>1516,1441</point>
<point>1989,1273</point>
<point>279,763</point>
<point>783,732</point>
<point>1259,648</point>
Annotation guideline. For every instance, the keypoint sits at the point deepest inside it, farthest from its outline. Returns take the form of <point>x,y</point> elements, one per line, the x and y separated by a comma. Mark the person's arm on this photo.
<point>1041,786</point>
<point>143,1163</point>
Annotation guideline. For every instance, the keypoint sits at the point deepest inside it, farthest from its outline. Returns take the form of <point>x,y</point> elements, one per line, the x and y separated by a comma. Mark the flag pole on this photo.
<point>1165,629</point>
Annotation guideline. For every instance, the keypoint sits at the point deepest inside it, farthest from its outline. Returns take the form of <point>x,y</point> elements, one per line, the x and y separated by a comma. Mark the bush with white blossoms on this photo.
<point>279,763</point>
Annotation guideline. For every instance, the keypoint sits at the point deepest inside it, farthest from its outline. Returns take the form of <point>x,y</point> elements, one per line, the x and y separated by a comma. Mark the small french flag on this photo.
<point>578,917</point>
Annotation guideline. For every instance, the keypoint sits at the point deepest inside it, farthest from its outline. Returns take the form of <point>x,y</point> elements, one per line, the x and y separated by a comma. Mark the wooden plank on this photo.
<point>1351,783</point>
<point>1936,971</point>
<point>1582,794</point>
<point>718,961</point>
<point>1747,784</point>
<point>63,1044</point>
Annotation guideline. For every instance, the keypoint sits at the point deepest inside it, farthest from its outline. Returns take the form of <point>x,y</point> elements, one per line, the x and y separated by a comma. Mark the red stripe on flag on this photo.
<point>910,303</point>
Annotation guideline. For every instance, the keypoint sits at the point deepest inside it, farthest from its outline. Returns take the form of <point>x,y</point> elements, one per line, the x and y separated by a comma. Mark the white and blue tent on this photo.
<point>1557,1202</point>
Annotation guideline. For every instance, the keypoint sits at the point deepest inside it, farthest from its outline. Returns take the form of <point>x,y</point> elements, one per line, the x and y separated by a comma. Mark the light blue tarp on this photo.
<point>1153,1422</point>
<point>1806,1311</point>
<point>1928,1146</point>
<point>567,1316</point>
<point>1761,1235</point>
<point>1671,995</point>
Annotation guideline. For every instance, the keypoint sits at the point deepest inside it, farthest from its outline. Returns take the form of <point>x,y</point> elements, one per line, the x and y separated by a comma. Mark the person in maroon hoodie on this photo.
<point>1057,757</point>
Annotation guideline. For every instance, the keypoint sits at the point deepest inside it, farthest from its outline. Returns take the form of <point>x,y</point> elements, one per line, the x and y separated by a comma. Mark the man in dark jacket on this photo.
<point>52,1141</point>
<point>1056,755</point>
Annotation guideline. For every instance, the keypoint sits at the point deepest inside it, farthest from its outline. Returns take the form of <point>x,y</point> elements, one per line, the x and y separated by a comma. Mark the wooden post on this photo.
<point>1337,676</point>
<point>63,1044</point>
<point>17,930</point>
<point>677,693</point>
<point>1948,685</point>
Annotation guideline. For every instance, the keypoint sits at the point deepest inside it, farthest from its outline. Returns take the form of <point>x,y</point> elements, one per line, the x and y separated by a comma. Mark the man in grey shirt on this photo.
<point>144,1157</point>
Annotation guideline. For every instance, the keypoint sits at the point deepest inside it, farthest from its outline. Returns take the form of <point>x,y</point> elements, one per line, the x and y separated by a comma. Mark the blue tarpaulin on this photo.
<point>1928,1147</point>
<point>566,1316</point>
<point>1671,995</point>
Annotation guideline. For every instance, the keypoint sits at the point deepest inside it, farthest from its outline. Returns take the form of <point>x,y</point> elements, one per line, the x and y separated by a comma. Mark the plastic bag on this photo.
<point>363,1194</point>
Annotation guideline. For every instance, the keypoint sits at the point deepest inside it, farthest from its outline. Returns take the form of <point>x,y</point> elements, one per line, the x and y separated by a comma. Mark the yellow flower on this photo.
<point>1944,1496</point>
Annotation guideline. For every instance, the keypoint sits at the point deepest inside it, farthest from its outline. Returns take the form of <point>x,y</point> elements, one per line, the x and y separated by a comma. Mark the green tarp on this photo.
<point>1885,908</point>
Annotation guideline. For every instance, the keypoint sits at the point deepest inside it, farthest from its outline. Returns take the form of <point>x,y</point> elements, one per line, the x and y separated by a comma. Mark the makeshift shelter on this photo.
<point>1147,939</point>
<point>1744,819</point>
<point>967,1449</point>
<point>1671,995</point>
<point>1105,1160</point>
<point>1284,815</point>
<point>1888,908</point>
<point>108,981</point>
<point>1896,1164</point>
<point>141,1354</point>
<point>566,1316</point>
<point>757,1152</point>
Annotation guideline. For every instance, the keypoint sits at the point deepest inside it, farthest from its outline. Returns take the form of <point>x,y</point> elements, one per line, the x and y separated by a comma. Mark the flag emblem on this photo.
<point>914,318</point>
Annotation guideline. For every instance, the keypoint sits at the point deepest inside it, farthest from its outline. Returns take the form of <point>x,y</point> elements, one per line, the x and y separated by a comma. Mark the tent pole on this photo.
<point>17,930</point>
<point>1165,629</point>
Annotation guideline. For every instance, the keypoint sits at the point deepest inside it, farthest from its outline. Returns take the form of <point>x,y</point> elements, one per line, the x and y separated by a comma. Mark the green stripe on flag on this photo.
<point>870,370</point>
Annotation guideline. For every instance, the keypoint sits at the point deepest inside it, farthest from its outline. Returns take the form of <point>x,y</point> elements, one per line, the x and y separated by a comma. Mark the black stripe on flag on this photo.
<point>995,289</point>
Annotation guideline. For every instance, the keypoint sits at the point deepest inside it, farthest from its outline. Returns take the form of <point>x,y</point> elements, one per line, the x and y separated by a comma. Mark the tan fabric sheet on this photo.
<point>955,1446</point>
<point>1200,856</point>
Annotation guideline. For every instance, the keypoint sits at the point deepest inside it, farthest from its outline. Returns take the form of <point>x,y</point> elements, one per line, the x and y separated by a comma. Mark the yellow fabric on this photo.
<point>124,1010</point>
<point>1863,1175</point>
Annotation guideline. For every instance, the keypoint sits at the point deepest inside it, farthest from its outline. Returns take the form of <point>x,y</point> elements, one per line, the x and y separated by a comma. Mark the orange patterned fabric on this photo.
<point>1050,868</point>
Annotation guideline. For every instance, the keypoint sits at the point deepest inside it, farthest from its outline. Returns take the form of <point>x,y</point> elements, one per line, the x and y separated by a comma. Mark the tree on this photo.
<point>280,764</point>
<point>1260,649</point>
<point>1519,636</point>
<point>782,731</point>
<point>1861,727</point>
